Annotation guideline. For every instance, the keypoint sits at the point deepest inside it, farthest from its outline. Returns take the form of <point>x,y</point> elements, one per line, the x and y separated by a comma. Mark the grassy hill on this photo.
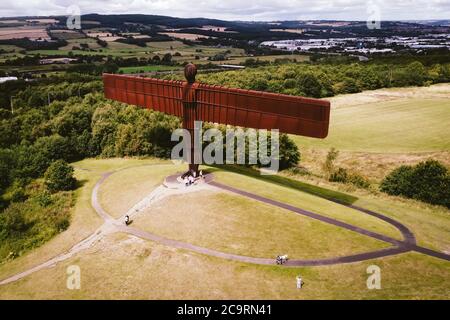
<point>389,121</point>
<point>126,267</point>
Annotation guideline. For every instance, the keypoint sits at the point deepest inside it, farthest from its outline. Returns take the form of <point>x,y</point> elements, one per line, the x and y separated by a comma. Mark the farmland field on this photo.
<point>24,32</point>
<point>187,36</point>
<point>67,34</point>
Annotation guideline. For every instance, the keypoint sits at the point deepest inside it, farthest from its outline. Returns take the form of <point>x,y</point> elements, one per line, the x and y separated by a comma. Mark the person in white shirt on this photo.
<point>299,282</point>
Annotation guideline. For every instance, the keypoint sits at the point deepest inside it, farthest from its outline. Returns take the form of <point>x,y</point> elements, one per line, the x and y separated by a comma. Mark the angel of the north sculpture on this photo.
<point>193,101</point>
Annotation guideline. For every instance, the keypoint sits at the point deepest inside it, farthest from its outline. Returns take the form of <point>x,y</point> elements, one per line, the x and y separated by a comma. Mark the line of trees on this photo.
<point>326,80</point>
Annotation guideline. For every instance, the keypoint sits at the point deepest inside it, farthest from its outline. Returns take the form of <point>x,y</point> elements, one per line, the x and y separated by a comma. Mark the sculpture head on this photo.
<point>190,71</point>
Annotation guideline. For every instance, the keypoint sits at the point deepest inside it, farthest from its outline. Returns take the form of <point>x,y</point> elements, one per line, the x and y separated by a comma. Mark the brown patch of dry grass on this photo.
<point>374,166</point>
<point>123,267</point>
<point>32,33</point>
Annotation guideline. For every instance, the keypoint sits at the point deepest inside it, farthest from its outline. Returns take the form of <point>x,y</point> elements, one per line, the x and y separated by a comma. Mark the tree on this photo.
<point>260,84</point>
<point>310,85</point>
<point>59,177</point>
<point>289,153</point>
<point>55,147</point>
<point>35,101</point>
<point>415,72</point>
<point>167,58</point>
<point>6,165</point>
<point>349,85</point>
<point>72,120</point>
<point>110,67</point>
<point>428,181</point>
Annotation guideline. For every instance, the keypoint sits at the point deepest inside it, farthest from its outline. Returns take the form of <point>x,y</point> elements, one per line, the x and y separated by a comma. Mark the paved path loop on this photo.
<point>169,188</point>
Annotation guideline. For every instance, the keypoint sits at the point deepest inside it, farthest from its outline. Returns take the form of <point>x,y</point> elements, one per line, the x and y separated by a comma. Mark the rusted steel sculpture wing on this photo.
<point>244,108</point>
<point>160,95</point>
<point>262,110</point>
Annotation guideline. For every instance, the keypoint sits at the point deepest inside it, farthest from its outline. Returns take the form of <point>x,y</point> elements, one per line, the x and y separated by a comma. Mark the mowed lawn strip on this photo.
<point>401,125</point>
<point>306,201</point>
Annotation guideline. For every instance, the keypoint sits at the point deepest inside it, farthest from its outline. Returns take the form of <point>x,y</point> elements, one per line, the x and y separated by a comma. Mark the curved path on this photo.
<point>112,225</point>
<point>399,246</point>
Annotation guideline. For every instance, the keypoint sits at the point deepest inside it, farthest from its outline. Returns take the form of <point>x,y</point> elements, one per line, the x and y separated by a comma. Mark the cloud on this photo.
<point>238,9</point>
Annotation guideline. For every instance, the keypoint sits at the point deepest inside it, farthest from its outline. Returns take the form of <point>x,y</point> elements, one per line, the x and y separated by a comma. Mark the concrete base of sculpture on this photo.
<point>176,181</point>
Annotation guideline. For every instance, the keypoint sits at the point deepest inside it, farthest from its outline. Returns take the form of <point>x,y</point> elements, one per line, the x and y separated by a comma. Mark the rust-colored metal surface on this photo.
<point>201,102</point>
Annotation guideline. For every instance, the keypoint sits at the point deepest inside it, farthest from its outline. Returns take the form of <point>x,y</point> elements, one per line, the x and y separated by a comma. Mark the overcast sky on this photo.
<point>240,9</point>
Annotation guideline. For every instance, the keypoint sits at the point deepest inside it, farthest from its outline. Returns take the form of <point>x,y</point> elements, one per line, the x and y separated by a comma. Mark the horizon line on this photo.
<point>225,20</point>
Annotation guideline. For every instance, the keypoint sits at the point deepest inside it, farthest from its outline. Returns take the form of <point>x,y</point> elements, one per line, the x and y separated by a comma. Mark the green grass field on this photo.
<point>306,201</point>
<point>389,123</point>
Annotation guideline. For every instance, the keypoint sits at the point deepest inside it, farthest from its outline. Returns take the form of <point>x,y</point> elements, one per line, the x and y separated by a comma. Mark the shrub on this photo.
<point>13,221</point>
<point>44,199</point>
<point>398,182</point>
<point>341,175</point>
<point>428,181</point>
<point>328,165</point>
<point>18,195</point>
<point>59,177</point>
<point>359,181</point>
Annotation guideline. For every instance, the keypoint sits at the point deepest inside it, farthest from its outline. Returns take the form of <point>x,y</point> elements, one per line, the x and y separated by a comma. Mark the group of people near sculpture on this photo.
<point>191,176</point>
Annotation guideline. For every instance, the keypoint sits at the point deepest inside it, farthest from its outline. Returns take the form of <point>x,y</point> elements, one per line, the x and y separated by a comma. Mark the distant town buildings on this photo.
<point>231,66</point>
<point>4,79</point>
<point>57,61</point>
<point>366,45</point>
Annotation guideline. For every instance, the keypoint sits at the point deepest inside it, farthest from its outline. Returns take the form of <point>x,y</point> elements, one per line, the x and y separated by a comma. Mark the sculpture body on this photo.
<point>201,102</point>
